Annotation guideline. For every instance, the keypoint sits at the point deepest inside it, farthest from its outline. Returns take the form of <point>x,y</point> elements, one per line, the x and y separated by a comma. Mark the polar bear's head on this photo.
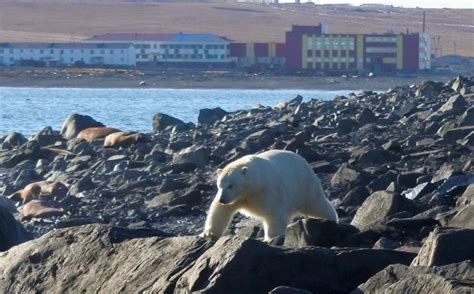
<point>231,183</point>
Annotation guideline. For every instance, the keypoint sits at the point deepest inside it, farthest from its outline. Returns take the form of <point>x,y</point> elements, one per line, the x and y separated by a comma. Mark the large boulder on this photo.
<point>209,116</point>
<point>195,156</point>
<point>376,208</point>
<point>162,121</point>
<point>99,258</point>
<point>397,278</point>
<point>463,218</point>
<point>15,139</point>
<point>11,231</point>
<point>75,123</point>
<point>446,245</point>
<point>316,232</point>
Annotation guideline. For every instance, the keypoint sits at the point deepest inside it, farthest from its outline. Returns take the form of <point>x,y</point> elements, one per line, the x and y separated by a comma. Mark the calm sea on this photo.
<point>27,110</point>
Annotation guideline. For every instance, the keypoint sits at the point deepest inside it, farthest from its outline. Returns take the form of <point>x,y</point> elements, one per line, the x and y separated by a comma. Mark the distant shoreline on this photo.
<point>198,80</point>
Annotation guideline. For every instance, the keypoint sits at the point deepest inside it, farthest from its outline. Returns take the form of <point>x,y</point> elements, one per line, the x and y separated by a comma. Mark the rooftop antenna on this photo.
<point>424,21</point>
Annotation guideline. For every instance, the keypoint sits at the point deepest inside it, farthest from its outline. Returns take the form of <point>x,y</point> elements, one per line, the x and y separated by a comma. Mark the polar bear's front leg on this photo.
<point>218,219</point>
<point>274,227</point>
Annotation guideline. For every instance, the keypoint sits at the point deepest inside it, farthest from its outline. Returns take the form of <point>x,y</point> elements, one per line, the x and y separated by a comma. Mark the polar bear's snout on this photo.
<point>224,197</point>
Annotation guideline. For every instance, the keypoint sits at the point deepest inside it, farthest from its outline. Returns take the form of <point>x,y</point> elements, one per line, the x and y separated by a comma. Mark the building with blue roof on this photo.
<point>174,49</point>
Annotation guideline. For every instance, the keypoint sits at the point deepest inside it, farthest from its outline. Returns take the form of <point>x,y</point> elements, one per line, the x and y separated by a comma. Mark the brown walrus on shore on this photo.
<point>92,134</point>
<point>35,190</point>
<point>123,139</point>
<point>40,209</point>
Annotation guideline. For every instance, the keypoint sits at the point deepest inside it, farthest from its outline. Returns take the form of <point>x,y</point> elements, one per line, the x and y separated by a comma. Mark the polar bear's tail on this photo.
<point>320,205</point>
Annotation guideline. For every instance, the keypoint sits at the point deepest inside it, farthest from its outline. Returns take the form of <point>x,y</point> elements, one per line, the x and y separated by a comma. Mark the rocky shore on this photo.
<point>110,211</point>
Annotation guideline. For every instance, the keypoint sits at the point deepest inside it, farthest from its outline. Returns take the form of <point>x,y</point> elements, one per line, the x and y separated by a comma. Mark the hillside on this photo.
<point>47,20</point>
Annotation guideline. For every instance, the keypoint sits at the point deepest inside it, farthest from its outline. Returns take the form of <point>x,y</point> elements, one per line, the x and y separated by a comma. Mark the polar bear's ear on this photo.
<point>219,171</point>
<point>244,170</point>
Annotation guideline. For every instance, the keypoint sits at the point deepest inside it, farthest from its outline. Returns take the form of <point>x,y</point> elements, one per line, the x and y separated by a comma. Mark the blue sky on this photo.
<point>404,3</point>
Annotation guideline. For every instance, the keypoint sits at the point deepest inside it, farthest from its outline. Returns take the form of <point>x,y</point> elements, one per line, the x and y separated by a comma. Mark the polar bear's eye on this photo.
<point>229,186</point>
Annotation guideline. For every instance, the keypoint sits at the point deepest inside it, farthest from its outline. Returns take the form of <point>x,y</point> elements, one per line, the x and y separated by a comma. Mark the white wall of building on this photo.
<point>67,54</point>
<point>169,51</point>
<point>425,51</point>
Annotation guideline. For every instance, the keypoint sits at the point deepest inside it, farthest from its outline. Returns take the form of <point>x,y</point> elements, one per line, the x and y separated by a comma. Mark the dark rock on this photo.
<point>406,109</point>
<point>452,135</point>
<point>196,156</point>
<point>355,197</point>
<point>377,207</point>
<point>444,246</point>
<point>366,117</point>
<point>429,89</point>
<point>184,264</point>
<point>455,105</point>
<point>11,231</point>
<point>47,137</point>
<point>15,139</point>
<point>347,176</point>
<point>382,182</point>
<point>372,156</point>
<point>397,278</point>
<point>467,119</point>
<point>83,184</point>
<point>323,167</point>
<point>209,116</point>
<point>171,185</point>
<point>162,121</point>
<point>288,290</point>
<point>316,232</point>
<point>392,146</point>
<point>75,123</point>
<point>346,125</point>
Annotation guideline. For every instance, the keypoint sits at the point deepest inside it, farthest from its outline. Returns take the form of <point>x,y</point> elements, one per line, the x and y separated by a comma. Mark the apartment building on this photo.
<point>62,54</point>
<point>176,49</point>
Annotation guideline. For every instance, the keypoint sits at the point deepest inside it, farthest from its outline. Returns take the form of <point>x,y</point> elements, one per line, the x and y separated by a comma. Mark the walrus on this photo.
<point>35,190</point>
<point>40,209</point>
<point>124,139</point>
<point>92,134</point>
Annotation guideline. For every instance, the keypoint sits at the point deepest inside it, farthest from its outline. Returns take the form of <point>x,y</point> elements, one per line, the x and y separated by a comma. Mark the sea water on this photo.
<point>27,110</point>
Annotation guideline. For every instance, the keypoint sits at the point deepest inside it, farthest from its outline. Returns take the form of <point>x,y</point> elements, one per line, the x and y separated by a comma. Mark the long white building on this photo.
<point>179,48</point>
<point>60,54</point>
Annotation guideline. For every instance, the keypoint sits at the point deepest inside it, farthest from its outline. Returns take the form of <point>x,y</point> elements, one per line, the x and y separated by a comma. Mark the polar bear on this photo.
<point>271,186</point>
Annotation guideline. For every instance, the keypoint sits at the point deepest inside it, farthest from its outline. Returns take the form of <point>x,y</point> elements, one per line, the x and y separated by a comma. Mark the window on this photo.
<point>11,50</point>
<point>121,59</point>
<point>61,52</point>
<point>154,46</point>
<point>92,51</point>
<point>72,50</point>
<point>51,51</point>
<point>1,50</point>
<point>122,51</point>
<point>72,59</point>
<point>222,56</point>
<point>21,50</point>
<point>41,51</point>
<point>111,51</point>
<point>102,51</point>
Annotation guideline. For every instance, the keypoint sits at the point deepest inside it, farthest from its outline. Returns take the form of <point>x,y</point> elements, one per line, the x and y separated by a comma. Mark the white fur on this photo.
<point>272,186</point>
